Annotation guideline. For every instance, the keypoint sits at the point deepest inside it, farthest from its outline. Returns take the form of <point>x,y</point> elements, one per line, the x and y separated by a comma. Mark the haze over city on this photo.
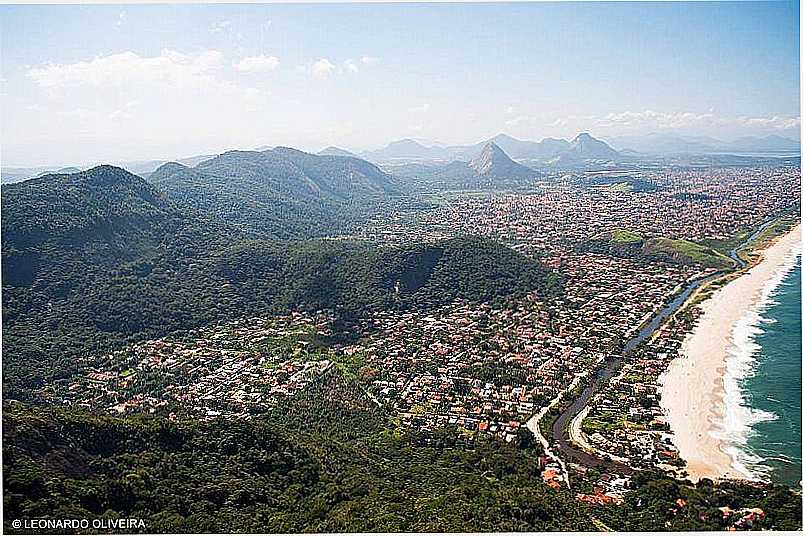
<point>86,84</point>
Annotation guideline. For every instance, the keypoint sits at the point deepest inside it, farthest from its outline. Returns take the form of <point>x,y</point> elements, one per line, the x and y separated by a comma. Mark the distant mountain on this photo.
<point>515,148</point>
<point>282,192</point>
<point>586,147</point>
<point>667,144</point>
<point>494,162</point>
<point>548,149</point>
<point>772,143</point>
<point>655,143</point>
<point>145,167</point>
<point>11,175</point>
<point>492,168</point>
<point>336,151</point>
<point>409,150</point>
<point>62,171</point>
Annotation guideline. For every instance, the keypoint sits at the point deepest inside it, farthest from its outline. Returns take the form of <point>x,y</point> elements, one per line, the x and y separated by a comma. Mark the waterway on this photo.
<point>561,424</point>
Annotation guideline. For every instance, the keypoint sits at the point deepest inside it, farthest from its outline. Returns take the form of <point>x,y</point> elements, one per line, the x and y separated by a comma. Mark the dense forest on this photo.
<point>329,461</point>
<point>280,193</point>
<point>115,260</point>
<point>95,260</point>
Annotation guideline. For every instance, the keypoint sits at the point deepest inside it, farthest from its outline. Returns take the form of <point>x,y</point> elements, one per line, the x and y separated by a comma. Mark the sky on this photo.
<point>94,83</point>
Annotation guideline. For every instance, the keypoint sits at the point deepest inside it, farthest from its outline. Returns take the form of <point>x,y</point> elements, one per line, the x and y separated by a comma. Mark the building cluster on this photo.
<point>689,204</point>
<point>481,368</point>
<point>625,421</point>
<point>236,369</point>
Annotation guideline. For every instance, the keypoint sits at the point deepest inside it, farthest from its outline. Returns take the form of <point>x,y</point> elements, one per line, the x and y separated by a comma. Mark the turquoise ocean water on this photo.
<point>771,384</point>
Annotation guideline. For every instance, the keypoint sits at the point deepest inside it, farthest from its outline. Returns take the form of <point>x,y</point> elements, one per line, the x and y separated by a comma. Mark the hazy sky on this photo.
<point>82,84</point>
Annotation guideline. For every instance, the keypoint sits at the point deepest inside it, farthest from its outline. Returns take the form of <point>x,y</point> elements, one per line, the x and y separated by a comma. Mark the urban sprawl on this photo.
<point>485,370</point>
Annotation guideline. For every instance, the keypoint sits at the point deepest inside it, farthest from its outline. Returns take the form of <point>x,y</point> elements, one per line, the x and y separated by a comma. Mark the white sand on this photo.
<point>692,387</point>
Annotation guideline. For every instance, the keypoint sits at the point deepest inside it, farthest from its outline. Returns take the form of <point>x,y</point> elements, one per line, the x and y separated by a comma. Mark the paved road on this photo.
<point>561,424</point>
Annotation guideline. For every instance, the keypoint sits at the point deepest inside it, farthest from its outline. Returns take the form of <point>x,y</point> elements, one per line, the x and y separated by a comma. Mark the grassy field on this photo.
<point>623,236</point>
<point>692,251</point>
<point>778,228</point>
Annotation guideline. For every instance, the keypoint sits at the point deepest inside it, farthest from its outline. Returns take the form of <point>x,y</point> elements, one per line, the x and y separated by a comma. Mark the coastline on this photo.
<point>699,389</point>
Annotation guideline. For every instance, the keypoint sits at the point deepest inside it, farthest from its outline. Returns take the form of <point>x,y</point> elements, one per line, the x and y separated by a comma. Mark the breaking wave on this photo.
<point>739,417</point>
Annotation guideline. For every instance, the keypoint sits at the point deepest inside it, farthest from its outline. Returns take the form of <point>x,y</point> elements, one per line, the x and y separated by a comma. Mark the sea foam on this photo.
<point>739,418</point>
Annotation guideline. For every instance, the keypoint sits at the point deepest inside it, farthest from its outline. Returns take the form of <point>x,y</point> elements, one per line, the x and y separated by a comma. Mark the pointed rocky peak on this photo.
<point>491,158</point>
<point>585,146</point>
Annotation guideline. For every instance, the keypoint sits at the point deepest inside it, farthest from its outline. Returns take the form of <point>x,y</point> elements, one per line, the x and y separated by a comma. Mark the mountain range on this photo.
<point>582,147</point>
<point>283,192</point>
<point>550,152</point>
<point>663,144</point>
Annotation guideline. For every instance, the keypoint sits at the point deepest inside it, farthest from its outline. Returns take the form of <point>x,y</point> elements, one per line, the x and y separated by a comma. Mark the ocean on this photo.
<point>762,421</point>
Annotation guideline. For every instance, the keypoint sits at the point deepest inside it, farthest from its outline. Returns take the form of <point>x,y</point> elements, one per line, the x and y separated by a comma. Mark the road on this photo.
<point>534,425</point>
<point>561,424</point>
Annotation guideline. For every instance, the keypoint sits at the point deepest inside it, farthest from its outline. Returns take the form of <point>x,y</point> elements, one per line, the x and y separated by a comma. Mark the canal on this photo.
<point>560,426</point>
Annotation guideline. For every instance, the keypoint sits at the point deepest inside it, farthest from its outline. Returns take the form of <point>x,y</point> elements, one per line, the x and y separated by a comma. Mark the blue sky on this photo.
<point>93,83</point>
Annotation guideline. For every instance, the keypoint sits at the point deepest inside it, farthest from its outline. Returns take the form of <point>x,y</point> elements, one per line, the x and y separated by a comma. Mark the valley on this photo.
<point>446,305</point>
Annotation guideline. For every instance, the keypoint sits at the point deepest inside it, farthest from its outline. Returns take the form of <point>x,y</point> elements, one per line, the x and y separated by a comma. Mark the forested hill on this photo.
<point>158,295</point>
<point>90,220</point>
<point>325,462</point>
<point>281,192</point>
<point>73,209</point>
<point>100,258</point>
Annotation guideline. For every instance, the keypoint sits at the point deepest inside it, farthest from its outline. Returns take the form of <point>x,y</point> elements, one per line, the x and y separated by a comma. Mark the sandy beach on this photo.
<point>692,391</point>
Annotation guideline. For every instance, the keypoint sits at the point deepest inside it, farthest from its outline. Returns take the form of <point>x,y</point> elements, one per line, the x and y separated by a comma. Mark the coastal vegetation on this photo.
<point>687,252</point>
<point>628,244</point>
<point>329,461</point>
<point>118,260</point>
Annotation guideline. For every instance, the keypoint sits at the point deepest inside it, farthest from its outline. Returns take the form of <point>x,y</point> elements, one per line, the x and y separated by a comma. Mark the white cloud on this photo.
<point>519,120</point>
<point>420,109</point>
<point>350,66</point>
<point>257,64</point>
<point>169,68</point>
<point>219,27</point>
<point>322,68</point>
<point>653,120</point>
<point>775,122</point>
<point>165,97</point>
<point>125,112</point>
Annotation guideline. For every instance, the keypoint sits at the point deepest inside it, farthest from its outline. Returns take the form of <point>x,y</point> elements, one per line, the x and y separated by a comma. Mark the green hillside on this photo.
<point>279,193</point>
<point>114,260</point>
<point>626,243</point>
<point>94,219</point>
<point>687,252</point>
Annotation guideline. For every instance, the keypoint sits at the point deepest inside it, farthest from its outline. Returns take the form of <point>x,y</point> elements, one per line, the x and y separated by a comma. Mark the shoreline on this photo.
<point>701,385</point>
